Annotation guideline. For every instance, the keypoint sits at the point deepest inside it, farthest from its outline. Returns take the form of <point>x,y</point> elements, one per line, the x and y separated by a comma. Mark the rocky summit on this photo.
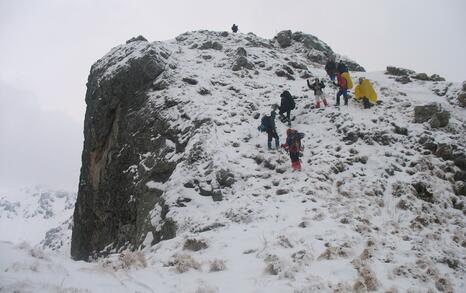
<point>174,167</point>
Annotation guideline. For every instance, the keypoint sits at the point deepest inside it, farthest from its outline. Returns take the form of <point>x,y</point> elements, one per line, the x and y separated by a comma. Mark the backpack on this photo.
<point>295,140</point>
<point>292,103</point>
<point>342,67</point>
<point>266,123</point>
<point>349,82</point>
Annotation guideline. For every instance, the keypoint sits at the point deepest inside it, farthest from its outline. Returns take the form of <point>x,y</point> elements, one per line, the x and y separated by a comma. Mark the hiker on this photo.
<point>341,67</point>
<point>268,125</point>
<point>286,105</point>
<point>318,87</point>
<point>365,92</point>
<point>234,28</point>
<point>344,83</point>
<point>293,146</point>
<point>331,68</point>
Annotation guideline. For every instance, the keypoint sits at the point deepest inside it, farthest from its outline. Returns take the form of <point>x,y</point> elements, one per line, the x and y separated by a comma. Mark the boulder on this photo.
<point>306,74</point>
<point>242,62</point>
<point>421,76</point>
<point>312,43</point>
<point>436,77</point>
<point>422,192</point>
<point>440,119</point>
<point>460,188</point>
<point>225,178</point>
<point>353,66</point>
<point>288,69</point>
<point>464,86</point>
<point>284,38</point>
<point>282,73</point>
<point>424,113</point>
<point>403,79</point>
<point>241,52</point>
<point>444,151</point>
<point>211,45</point>
<point>397,71</point>
<point>462,99</point>
<point>297,65</point>
<point>136,39</point>
<point>189,80</point>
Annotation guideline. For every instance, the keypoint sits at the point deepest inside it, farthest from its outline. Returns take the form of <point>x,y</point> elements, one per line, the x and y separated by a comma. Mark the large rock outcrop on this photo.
<point>143,107</point>
<point>114,200</point>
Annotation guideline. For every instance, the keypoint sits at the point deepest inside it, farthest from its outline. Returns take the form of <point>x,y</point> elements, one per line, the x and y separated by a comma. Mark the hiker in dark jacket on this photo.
<point>272,132</point>
<point>341,67</point>
<point>286,105</point>
<point>331,68</point>
<point>234,28</point>
<point>293,146</point>
<point>318,87</point>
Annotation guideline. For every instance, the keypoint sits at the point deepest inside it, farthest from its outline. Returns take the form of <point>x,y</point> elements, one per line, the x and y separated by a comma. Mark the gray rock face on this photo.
<point>462,99</point>
<point>225,178</point>
<point>242,62</point>
<point>403,79</point>
<point>241,52</point>
<point>284,38</point>
<point>211,45</point>
<point>440,119</point>
<point>397,71</point>
<point>136,39</point>
<point>112,208</point>
<point>421,76</point>
<point>353,66</point>
<point>432,113</point>
<point>312,42</point>
<point>424,113</point>
<point>436,77</point>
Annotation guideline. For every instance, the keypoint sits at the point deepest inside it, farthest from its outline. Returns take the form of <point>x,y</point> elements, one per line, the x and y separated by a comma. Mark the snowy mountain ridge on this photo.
<point>377,206</point>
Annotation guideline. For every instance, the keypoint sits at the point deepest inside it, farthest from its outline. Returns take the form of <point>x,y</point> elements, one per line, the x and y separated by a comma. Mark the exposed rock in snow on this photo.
<point>284,38</point>
<point>397,71</point>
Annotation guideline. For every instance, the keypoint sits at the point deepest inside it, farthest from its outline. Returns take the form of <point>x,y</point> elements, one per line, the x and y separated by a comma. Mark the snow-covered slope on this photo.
<point>372,209</point>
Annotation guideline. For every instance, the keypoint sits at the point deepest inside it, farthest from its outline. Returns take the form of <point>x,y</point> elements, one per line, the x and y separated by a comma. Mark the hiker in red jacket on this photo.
<point>293,146</point>
<point>343,89</point>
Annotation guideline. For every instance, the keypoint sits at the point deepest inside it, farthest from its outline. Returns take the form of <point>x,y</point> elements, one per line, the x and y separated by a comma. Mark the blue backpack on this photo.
<point>266,123</point>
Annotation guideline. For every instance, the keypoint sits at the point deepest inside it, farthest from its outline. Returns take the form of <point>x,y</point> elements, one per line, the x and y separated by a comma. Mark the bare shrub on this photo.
<point>217,265</point>
<point>184,262</point>
<point>37,253</point>
<point>194,245</point>
<point>130,259</point>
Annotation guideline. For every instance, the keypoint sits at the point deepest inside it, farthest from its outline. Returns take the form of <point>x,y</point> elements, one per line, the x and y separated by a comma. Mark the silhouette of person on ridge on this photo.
<point>234,28</point>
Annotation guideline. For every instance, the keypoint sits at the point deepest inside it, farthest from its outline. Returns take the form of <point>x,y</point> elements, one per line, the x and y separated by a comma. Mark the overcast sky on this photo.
<point>48,46</point>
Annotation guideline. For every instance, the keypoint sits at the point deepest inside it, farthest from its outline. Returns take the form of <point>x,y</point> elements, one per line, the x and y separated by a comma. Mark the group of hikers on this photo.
<point>363,92</point>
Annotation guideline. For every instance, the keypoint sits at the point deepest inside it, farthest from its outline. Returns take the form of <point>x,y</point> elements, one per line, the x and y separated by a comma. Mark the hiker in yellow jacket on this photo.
<point>365,92</point>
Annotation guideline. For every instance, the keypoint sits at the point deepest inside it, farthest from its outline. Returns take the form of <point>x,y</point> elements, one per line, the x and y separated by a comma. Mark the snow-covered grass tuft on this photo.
<point>206,289</point>
<point>126,260</point>
<point>217,265</point>
<point>183,263</point>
